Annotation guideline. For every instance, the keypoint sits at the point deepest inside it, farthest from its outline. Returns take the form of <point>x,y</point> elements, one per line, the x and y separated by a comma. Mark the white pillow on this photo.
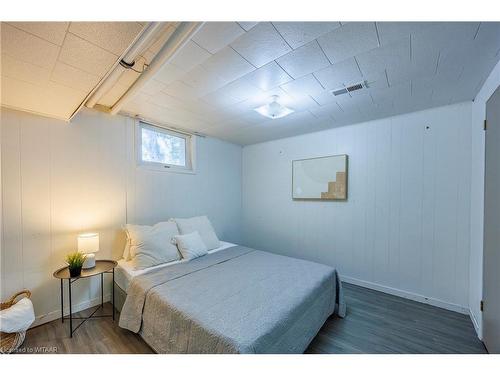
<point>202,225</point>
<point>18,317</point>
<point>190,245</point>
<point>126,249</point>
<point>152,245</point>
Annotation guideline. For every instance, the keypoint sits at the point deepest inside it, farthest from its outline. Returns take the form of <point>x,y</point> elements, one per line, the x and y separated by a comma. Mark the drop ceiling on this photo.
<point>228,69</point>
<point>49,68</point>
<point>214,83</point>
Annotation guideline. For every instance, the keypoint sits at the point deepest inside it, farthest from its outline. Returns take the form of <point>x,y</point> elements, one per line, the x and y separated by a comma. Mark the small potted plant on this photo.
<point>75,262</point>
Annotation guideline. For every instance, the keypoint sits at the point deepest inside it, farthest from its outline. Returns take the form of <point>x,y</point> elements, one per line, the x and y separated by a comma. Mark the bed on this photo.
<point>233,300</point>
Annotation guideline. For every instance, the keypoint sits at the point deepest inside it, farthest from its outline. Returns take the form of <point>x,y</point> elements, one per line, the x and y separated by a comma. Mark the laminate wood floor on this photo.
<point>375,323</point>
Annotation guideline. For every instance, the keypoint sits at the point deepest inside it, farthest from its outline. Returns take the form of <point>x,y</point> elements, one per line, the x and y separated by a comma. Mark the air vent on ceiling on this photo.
<point>340,91</point>
<point>345,90</point>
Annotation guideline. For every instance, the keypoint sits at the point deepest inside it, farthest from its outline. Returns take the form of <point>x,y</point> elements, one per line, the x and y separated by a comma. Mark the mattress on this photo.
<point>124,271</point>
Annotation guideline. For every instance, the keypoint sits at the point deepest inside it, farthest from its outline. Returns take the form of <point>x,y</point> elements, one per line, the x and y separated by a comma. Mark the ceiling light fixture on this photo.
<point>274,109</point>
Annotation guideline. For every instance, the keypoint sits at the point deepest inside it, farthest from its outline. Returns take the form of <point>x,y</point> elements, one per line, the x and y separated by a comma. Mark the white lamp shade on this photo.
<point>88,243</point>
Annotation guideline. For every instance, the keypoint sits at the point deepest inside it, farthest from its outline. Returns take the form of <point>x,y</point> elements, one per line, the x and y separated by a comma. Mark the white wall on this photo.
<point>477,196</point>
<point>405,227</point>
<point>60,179</point>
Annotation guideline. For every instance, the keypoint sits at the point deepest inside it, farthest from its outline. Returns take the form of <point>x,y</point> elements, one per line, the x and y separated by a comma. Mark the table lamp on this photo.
<point>88,243</point>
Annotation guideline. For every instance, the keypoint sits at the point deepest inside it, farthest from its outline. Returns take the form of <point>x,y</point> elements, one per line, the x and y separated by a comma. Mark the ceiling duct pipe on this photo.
<point>177,40</point>
<point>129,58</point>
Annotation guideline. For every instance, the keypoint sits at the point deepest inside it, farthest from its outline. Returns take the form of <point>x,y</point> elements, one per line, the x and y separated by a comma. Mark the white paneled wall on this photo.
<point>405,226</point>
<point>60,179</point>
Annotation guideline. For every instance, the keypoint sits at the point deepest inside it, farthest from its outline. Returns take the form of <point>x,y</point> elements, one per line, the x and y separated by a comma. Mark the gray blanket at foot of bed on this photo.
<point>237,300</point>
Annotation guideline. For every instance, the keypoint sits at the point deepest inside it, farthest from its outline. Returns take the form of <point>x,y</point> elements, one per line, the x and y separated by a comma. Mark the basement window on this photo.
<point>164,149</point>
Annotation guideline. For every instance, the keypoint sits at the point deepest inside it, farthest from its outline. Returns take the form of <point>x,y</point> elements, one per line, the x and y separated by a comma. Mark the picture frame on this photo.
<point>323,178</point>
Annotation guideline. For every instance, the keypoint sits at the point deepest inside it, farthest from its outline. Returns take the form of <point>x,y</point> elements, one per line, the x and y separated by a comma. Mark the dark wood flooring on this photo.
<point>375,323</point>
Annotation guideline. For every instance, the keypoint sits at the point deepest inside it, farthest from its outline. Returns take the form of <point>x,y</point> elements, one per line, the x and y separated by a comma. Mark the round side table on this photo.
<point>101,267</point>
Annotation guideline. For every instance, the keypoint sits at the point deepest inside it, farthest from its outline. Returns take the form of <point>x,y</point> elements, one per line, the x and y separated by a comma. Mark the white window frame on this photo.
<point>190,140</point>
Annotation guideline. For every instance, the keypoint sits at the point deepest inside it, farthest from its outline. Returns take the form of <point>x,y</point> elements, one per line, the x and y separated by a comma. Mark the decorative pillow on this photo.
<point>190,245</point>
<point>152,245</point>
<point>202,225</point>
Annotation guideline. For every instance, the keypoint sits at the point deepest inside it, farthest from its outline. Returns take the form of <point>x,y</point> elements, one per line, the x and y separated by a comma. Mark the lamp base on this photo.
<point>89,261</point>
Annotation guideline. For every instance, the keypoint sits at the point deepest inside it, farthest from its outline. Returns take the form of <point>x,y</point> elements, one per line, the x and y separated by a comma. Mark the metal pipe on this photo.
<point>177,40</point>
<point>129,57</point>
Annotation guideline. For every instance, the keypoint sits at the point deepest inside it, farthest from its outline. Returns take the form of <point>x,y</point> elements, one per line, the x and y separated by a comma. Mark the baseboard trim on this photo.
<point>408,295</point>
<point>476,325</point>
<point>53,315</point>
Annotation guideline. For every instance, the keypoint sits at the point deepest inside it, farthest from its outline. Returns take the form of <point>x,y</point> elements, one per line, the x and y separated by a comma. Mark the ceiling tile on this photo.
<point>467,58</point>
<point>336,75</point>
<point>24,71</point>
<point>243,107</point>
<point>302,103</point>
<point>349,40</point>
<point>228,65</point>
<point>214,117</point>
<point>61,99</point>
<point>202,80</point>
<point>180,90</point>
<point>114,37</point>
<point>385,95</point>
<point>390,32</point>
<point>86,56</point>
<point>153,87</point>
<point>220,100</point>
<point>222,129</point>
<point>53,32</point>
<point>423,59</point>
<point>299,33</point>
<point>189,56</point>
<point>214,36</point>
<point>324,97</point>
<point>72,77</point>
<point>307,85</point>
<point>328,110</point>
<point>392,55</point>
<point>169,73</point>
<point>241,89</point>
<point>446,35</point>
<point>423,63</point>
<point>268,77</point>
<point>489,34</point>
<point>347,103</point>
<point>29,48</point>
<point>247,25</point>
<point>304,60</point>
<point>52,100</point>
<point>376,80</point>
<point>261,45</point>
<point>166,101</point>
<point>138,105</point>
